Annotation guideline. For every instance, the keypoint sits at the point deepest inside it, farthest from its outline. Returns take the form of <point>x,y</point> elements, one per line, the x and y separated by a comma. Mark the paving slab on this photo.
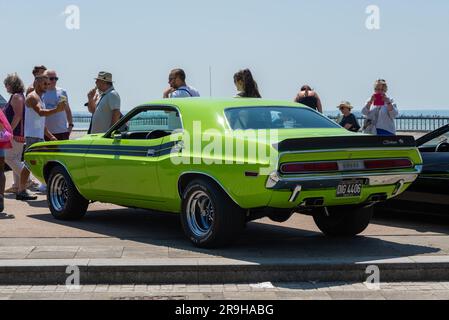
<point>120,245</point>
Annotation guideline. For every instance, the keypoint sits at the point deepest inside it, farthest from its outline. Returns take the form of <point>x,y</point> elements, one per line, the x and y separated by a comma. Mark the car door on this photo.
<point>122,165</point>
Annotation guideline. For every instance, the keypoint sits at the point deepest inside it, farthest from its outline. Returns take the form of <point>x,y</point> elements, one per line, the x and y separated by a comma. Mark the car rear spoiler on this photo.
<point>344,142</point>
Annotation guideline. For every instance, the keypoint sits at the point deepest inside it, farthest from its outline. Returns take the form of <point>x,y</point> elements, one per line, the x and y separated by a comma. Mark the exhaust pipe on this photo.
<point>380,197</point>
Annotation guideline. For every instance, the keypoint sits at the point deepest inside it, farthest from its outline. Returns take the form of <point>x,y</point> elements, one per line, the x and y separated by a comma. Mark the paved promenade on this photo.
<point>245,291</point>
<point>121,245</point>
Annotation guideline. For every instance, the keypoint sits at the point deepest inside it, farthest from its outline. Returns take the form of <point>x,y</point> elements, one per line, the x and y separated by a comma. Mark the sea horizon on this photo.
<point>329,112</point>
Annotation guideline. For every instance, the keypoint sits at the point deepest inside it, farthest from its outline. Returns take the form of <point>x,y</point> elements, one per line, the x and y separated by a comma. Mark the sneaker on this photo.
<point>33,184</point>
<point>2,204</point>
<point>42,188</point>
<point>25,196</point>
<point>11,190</point>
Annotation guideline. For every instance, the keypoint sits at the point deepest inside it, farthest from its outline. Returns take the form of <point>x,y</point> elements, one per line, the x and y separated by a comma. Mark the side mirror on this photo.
<point>116,135</point>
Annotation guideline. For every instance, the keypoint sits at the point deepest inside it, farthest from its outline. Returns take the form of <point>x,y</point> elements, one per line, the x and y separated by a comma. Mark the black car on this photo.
<point>430,193</point>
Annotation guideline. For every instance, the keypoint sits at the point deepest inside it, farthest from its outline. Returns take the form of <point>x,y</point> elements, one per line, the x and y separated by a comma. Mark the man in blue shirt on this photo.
<point>178,87</point>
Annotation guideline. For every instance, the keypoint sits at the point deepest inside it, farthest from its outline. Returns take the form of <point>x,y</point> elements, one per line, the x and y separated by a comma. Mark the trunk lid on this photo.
<point>349,151</point>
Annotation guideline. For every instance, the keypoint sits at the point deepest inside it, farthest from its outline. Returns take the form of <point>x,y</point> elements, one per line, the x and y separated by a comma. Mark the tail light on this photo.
<point>309,167</point>
<point>388,164</point>
<point>344,165</point>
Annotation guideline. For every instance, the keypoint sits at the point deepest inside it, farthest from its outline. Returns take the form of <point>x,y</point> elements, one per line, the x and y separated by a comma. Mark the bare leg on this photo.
<point>24,176</point>
<point>2,184</point>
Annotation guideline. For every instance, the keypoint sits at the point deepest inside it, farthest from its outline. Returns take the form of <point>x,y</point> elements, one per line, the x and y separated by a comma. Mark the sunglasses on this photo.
<point>53,79</point>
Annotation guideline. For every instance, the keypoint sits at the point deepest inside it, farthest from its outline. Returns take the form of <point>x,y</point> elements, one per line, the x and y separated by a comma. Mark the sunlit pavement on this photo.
<point>109,234</point>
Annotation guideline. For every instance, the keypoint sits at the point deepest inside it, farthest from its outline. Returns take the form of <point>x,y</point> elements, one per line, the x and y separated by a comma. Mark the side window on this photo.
<point>161,122</point>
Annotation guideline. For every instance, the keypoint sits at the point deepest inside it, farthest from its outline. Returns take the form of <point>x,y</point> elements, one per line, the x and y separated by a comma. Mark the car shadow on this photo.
<point>258,242</point>
<point>420,222</point>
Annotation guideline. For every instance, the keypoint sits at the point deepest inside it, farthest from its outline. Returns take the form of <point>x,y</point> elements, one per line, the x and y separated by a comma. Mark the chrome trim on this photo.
<point>57,192</point>
<point>295,194</point>
<point>346,150</point>
<point>277,182</point>
<point>143,108</point>
<point>398,188</point>
<point>207,175</point>
<point>200,221</point>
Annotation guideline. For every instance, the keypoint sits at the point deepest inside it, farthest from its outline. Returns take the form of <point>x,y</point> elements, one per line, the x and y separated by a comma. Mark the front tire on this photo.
<point>209,217</point>
<point>343,221</point>
<point>64,200</point>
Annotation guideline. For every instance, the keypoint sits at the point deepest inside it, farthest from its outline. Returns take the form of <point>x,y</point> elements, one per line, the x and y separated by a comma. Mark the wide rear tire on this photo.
<point>64,200</point>
<point>343,221</point>
<point>209,217</point>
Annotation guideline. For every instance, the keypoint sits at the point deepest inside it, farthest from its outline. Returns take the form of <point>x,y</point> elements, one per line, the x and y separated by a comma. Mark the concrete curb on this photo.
<point>202,271</point>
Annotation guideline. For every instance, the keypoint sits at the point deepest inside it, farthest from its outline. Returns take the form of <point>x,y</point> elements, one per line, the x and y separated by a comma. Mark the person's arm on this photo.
<point>49,135</point>
<point>366,109</point>
<point>391,107</point>
<point>114,100</point>
<point>167,92</point>
<point>92,97</point>
<point>318,103</point>
<point>356,124</point>
<point>299,96</point>
<point>29,90</point>
<point>68,113</point>
<point>115,117</point>
<point>17,105</point>
<point>34,104</point>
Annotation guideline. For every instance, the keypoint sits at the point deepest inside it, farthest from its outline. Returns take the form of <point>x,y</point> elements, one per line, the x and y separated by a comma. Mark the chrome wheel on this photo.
<point>58,192</point>
<point>200,213</point>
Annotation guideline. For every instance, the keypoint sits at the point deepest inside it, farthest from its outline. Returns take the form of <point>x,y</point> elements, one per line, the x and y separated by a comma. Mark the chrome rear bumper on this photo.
<point>307,182</point>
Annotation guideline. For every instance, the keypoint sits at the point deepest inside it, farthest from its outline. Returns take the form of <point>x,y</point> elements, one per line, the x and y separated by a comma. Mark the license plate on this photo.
<point>351,165</point>
<point>350,188</point>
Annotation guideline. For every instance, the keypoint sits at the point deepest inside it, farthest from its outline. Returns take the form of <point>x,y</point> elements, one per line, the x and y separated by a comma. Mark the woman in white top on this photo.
<point>380,111</point>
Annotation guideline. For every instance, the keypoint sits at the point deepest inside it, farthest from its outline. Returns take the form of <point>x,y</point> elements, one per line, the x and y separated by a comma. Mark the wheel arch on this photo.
<point>49,166</point>
<point>187,177</point>
<point>55,163</point>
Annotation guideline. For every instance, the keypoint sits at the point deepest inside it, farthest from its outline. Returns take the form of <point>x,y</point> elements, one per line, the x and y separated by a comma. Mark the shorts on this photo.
<point>382,132</point>
<point>2,153</point>
<point>30,141</point>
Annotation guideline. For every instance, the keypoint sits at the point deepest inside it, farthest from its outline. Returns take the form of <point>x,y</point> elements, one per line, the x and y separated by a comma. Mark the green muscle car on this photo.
<point>220,163</point>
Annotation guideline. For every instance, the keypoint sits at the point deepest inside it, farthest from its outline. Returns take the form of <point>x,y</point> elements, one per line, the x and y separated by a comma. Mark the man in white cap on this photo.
<point>104,104</point>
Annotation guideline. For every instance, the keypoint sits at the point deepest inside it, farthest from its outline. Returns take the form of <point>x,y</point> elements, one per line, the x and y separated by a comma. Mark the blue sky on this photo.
<point>286,43</point>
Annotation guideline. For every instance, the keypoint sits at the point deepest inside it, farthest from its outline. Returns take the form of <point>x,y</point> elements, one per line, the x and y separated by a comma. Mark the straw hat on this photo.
<point>104,76</point>
<point>345,104</point>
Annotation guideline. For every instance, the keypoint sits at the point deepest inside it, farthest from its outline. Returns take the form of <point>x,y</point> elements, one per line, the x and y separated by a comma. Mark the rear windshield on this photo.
<point>255,118</point>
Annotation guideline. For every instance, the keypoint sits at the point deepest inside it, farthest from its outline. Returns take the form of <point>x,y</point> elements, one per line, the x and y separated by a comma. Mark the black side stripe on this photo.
<point>132,151</point>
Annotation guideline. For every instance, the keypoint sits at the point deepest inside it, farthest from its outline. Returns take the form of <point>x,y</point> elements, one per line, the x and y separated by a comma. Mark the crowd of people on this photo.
<point>42,112</point>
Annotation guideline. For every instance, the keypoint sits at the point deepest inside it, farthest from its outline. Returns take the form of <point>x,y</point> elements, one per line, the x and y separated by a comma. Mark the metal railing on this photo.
<point>403,123</point>
<point>408,123</point>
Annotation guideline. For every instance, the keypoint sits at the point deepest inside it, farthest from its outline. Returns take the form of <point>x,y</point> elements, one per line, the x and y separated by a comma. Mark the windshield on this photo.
<point>255,118</point>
